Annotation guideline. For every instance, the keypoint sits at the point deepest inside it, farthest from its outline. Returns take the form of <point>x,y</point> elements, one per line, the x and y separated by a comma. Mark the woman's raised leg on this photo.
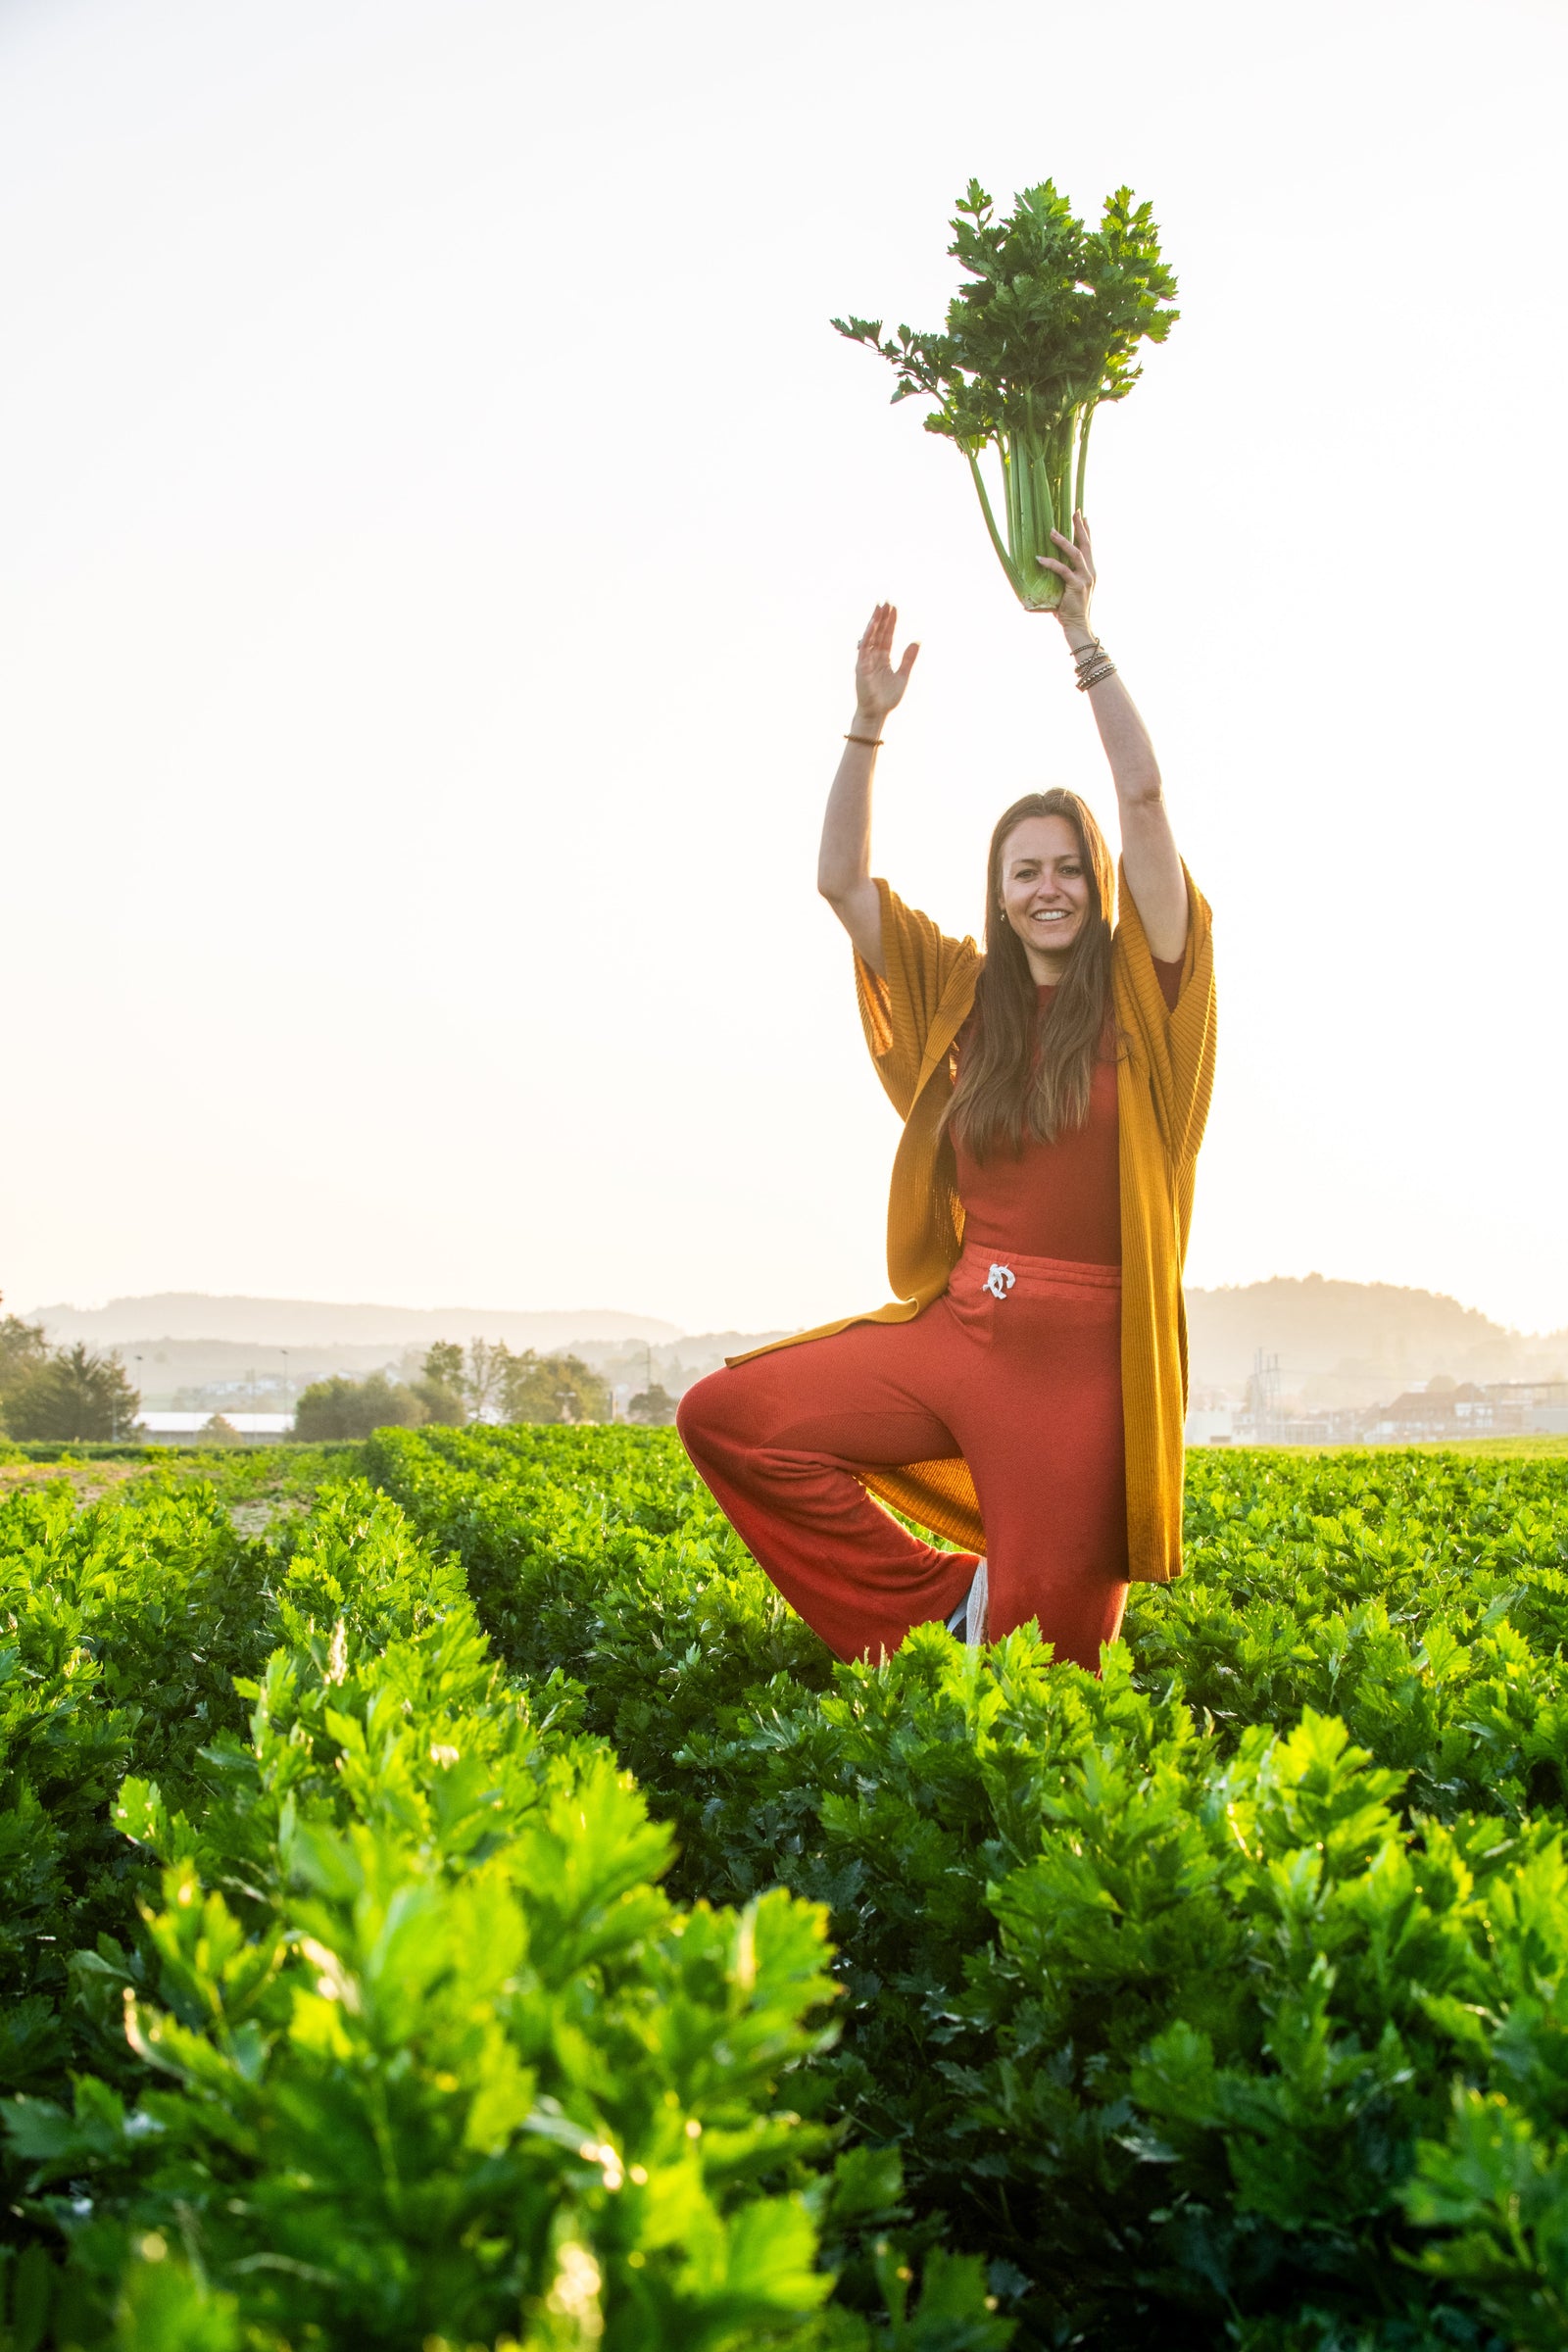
<point>778,1438</point>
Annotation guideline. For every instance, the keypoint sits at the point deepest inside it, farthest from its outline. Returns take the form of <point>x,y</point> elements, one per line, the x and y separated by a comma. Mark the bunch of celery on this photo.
<point>1045,331</point>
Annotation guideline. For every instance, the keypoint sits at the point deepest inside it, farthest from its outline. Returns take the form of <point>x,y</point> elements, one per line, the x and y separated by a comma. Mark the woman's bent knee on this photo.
<point>704,1415</point>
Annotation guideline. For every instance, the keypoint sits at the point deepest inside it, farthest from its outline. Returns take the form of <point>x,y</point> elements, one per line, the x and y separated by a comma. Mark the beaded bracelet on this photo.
<point>1092,677</point>
<point>873,743</point>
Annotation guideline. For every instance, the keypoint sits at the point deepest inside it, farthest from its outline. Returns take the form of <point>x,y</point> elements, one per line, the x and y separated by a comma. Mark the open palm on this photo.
<point>878,686</point>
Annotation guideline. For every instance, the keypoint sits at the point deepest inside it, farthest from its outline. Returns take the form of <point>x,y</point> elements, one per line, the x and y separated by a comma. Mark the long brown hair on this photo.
<point>1023,1074</point>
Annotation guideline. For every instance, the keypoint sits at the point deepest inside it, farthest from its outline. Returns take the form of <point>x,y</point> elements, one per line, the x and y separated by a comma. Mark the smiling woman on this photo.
<point>1024,1392</point>
<point>1049,888</point>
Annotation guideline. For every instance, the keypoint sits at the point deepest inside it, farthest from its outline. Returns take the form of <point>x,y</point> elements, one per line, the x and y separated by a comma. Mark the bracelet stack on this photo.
<point>1093,663</point>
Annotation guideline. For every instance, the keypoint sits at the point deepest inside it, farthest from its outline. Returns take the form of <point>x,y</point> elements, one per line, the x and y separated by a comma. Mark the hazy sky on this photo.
<point>436,521</point>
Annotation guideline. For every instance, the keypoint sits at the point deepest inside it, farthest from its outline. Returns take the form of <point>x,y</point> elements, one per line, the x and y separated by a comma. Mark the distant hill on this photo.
<point>1357,1342</point>
<point>187,1349</point>
<point>320,1323</point>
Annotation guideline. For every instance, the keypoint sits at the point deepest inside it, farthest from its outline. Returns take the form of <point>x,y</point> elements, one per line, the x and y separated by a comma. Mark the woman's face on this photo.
<point>1045,891</point>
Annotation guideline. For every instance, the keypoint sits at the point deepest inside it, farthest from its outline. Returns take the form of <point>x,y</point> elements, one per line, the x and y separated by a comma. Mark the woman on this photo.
<point>1024,1392</point>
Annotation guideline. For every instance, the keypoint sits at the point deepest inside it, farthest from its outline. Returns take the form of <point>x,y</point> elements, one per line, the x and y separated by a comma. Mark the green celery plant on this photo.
<point>1044,331</point>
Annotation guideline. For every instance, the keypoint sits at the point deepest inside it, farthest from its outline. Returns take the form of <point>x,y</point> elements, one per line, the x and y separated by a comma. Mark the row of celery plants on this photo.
<point>407,2047</point>
<point>1229,2021</point>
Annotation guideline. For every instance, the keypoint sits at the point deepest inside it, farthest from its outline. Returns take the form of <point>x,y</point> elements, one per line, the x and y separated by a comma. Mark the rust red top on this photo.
<point>1061,1198</point>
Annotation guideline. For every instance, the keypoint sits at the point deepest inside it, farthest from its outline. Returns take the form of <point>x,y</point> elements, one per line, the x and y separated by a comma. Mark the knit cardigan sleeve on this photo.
<point>1175,1044</point>
<point>927,971</point>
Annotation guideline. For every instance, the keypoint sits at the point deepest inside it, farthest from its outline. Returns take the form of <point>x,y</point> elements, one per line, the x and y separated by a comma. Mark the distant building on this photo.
<point>1428,1414</point>
<point>159,1427</point>
<point>1210,1425</point>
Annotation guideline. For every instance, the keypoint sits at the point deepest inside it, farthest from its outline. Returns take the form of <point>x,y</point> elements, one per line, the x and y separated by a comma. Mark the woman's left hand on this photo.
<point>1075,568</point>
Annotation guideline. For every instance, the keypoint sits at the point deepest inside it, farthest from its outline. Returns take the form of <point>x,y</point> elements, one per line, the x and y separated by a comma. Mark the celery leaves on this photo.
<point>1045,330</point>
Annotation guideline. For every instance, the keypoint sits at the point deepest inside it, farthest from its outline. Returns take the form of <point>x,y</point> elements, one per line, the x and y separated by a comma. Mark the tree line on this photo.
<point>62,1392</point>
<point>484,1381</point>
<point>65,1394</point>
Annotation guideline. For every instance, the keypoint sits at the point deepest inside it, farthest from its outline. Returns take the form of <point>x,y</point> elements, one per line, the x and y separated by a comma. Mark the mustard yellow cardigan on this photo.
<point>1164,1076</point>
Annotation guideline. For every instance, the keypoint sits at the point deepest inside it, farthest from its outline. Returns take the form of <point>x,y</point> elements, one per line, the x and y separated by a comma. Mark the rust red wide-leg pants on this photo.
<point>1027,1387</point>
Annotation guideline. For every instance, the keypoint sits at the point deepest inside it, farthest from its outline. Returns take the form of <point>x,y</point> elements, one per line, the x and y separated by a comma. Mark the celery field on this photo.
<point>447,1900</point>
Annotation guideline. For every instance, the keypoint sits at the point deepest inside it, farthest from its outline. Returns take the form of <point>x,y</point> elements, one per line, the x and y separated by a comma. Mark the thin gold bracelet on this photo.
<point>873,743</point>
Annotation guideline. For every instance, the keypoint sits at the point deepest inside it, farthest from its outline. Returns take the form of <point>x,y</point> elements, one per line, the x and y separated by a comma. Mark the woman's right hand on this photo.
<point>878,686</point>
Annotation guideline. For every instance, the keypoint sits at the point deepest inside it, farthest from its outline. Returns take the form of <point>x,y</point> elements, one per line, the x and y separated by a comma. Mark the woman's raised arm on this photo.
<point>843,862</point>
<point>1148,845</point>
